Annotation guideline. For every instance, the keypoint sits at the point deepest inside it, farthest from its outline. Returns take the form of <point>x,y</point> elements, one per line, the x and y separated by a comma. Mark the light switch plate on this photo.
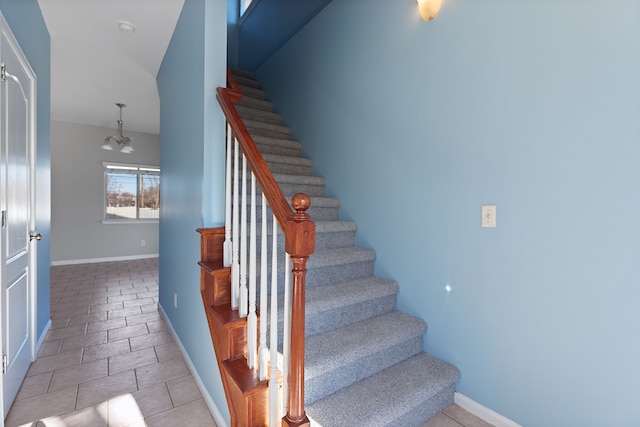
<point>488,216</point>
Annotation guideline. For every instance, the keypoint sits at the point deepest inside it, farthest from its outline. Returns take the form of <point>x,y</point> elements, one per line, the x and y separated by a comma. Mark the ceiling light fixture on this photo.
<point>124,142</point>
<point>429,8</point>
<point>126,27</point>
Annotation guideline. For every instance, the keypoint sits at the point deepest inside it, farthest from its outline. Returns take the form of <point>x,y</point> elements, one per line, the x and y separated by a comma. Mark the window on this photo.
<point>244,6</point>
<point>131,193</point>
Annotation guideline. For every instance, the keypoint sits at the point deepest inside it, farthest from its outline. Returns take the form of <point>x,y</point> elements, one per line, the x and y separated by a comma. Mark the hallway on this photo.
<point>108,359</point>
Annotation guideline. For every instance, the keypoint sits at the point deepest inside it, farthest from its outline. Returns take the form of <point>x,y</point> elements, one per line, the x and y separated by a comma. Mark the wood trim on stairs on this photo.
<point>247,396</point>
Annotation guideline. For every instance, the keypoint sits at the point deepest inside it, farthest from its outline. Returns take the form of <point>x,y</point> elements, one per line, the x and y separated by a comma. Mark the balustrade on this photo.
<point>240,253</point>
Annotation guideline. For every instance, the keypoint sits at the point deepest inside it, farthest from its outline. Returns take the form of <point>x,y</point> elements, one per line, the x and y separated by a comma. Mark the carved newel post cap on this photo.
<point>300,202</point>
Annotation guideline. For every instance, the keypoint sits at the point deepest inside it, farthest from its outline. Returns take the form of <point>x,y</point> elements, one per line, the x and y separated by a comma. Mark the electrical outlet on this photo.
<point>175,300</point>
<point>142,243</point>
<point>489,216</point>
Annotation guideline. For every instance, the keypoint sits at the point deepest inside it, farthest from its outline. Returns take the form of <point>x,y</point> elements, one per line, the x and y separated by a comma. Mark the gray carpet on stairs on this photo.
<point>364,364</point>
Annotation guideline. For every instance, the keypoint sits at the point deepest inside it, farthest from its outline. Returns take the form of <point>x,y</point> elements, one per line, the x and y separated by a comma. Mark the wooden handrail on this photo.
<point>299,232</point>
<point>278,203</point>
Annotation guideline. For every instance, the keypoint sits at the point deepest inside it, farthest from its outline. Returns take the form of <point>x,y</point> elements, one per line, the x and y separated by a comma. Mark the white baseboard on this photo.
<point>483,412</point>
<point>215,412</point>
<point>40,339</point>
<point>109,259</point>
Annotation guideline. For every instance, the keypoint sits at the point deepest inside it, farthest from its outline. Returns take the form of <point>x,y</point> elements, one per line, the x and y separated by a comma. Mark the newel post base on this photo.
<point>286,422</point>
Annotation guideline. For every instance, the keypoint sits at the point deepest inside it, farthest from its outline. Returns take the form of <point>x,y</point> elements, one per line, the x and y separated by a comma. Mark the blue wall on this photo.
<point>531,106</point>
<point>268,25</point>
<point>192,138</point>
<point>27,24</point>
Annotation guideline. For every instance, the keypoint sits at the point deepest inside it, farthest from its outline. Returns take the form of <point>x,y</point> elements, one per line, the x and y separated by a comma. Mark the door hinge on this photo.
<point>3,72</point>
<point>4,219</point>
<point>4,363</point>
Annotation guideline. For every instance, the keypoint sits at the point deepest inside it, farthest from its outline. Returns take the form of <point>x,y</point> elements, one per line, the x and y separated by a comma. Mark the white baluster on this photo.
<point>286,333</point>
<point>263,352</point>
<point>252,321</point>
<point>274,417</point>
<point>244,294</point>
<point>235,230</point>
<point>226,255</point>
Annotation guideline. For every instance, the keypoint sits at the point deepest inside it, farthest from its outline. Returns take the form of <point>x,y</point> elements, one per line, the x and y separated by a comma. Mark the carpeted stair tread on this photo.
<point>253,92</point>
<point>247,82</point>
<point>267,129</point>
<point>274,158</point>
<point>340,294</point>
<point>340,304</point>
<point>249,113</point>
<point>336,226</point>
<point>256,103</point>
<point>389,396</point>
<point>329,234</point>
<point>278,142</point>
<point>343,356</point>
<point>243,73</point>
<point>317,202</point>
<point>323,227</point>
<point>340,256</point>
<point>299,179</point>
<point>288,164</point>
<point>322,208</point>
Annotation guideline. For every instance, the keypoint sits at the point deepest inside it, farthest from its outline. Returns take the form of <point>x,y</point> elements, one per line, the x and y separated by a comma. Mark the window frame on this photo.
<point>242,15</point>
<point>137,169</point>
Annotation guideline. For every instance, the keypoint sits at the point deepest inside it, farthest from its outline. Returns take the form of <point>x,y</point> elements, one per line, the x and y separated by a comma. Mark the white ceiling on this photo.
<point>94,64</point>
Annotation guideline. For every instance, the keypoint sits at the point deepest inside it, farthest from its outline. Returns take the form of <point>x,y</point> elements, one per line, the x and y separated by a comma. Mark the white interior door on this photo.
<point>17,158</point>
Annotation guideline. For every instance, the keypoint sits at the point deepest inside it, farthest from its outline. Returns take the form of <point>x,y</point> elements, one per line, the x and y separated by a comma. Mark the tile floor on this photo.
<point>455,416</point>
<point>108,359</point>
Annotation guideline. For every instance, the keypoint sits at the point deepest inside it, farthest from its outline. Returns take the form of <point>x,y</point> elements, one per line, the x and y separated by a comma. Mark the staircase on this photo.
<point>364,364</point>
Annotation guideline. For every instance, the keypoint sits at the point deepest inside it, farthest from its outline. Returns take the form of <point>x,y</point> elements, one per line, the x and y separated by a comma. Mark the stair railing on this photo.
<point>299,234</point>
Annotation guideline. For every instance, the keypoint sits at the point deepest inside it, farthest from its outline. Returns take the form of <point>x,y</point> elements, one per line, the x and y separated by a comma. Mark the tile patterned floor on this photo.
<point>108,359</point>
<point>455,416</point>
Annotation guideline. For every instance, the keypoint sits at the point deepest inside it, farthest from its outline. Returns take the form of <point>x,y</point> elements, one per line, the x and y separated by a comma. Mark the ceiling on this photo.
<point>94,65</point>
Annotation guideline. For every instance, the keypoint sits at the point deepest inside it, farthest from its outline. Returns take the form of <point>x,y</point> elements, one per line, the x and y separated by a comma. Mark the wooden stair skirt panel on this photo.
<point>247,396</point>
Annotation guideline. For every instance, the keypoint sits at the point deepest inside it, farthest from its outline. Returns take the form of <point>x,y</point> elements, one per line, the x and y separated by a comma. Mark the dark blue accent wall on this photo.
<point>269,25</point>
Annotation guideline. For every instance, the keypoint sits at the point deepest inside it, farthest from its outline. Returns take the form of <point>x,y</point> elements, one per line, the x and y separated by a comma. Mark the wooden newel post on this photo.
<point>300,242</point>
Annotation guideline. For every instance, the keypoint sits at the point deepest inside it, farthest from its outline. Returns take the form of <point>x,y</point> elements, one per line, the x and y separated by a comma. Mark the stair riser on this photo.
<point>427,409</point>
<point>343,376</point>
